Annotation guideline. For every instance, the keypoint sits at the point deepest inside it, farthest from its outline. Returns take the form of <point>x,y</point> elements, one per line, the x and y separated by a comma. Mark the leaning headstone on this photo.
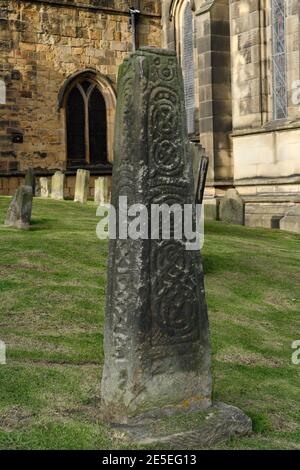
<point>57,185</point>
<point>45,185</point>
<point>232,208</point>
<point>102,190</point>
<point>211,209</point>
<point>30,179</point>
<point>20,208</point>
<point>156,340</point>
<point>37,191</point>
<point>82,186</point>
<point>291,221</point>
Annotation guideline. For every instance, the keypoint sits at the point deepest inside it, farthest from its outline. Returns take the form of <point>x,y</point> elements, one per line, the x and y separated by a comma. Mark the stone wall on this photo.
<point>213,119</point>
<point>263,148</point>
<point>266,151</point>
<point>42,43</point>
<point>9,184</point>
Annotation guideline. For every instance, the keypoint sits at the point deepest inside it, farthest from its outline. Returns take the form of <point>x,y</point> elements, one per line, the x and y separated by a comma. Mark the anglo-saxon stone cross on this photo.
<point>157,350</point>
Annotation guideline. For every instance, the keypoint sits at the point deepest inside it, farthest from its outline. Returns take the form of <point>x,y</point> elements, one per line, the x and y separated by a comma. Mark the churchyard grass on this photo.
<point>52,297</point>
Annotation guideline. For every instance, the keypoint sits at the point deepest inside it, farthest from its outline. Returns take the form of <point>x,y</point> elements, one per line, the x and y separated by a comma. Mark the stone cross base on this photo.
<point>200,429</point>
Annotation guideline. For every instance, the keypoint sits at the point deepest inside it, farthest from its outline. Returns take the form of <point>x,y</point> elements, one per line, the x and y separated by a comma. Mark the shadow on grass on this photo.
<point>218,263</point>
<point>248,233</point>
<point>42,223</point>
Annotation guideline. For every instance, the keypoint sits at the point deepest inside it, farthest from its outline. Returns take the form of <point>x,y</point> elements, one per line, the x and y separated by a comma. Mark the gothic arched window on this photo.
<point>86,122</point>
<point>280,100</point>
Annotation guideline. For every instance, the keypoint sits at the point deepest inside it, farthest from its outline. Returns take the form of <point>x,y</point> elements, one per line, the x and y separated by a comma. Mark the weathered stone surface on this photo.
<point>211,209</point>
<point>291,221</point>
<point>37,191</point>
<point>30,180</point>
<point>232,208</point>
<point>57,185</point>
<point>20,208</point>
<point>157,348</point>
<point>204,428</point>
<point>200,168</point>
<point>82,186</point>
<point>202,175</point>
<point>103,190</point>
<point>45,185</point>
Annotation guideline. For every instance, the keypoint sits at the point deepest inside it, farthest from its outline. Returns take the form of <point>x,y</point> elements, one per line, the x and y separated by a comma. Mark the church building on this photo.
<point>241,68</point>
<point>59,61</point>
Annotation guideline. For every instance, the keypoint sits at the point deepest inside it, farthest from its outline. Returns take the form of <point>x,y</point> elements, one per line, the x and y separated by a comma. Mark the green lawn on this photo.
<point>52,285</point>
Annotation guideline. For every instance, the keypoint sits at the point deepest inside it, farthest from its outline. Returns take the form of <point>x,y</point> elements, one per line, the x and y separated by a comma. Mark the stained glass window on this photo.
<point>187,45</point>
<point>280,105</point>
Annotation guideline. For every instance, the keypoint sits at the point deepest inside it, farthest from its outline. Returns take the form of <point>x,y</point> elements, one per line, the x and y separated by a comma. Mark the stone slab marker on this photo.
<point>156,339</point>
<point>291,221</point>
<point>232,208</point>
<point>57,185</point>
<point>82,186</point>
<point>200,166</point>
<point>20,208</point>
<point>102,190</point>
<point>45,185</point>
<point>30,179</point>
<point>37,190</point>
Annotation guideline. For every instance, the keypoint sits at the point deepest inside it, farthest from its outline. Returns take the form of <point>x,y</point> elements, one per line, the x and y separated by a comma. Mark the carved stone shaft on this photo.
<point>157,348</point>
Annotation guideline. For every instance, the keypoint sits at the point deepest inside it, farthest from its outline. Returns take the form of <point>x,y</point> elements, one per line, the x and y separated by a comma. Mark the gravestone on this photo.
<point>202,175</point>
<point>45,185</point>
<point>20,208</point>
<point>2,92</point>
<point>37,191</point>
<point>102,190</point>
<point>30,179</point>
<point>232,208</point>
<point>57,185</point>
<point>211,208</point>
<point>2,353</point>
<point>291,221</point>
<point>156,340</point>
<point>82,186</point>
<point>198,159</point>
